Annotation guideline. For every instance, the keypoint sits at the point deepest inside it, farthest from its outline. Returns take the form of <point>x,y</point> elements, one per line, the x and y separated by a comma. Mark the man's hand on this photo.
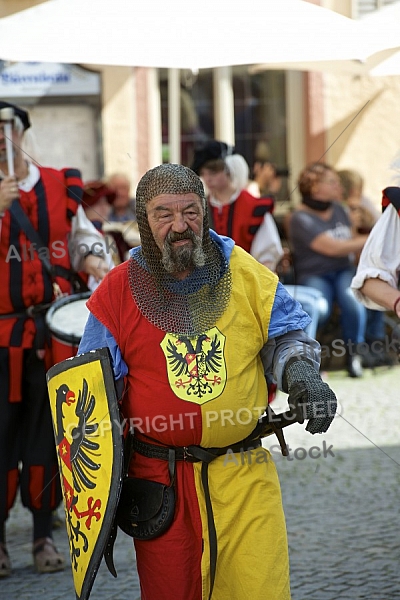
<point>305,385</point>
<point>8,192</point>
<point>96,266</point>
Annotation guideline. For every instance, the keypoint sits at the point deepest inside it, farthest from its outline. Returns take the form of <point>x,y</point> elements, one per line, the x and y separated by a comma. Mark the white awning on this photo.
<point>180,34</point>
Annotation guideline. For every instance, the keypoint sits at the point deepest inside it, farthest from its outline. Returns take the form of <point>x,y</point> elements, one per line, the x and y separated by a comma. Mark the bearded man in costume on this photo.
<point>196,327</point>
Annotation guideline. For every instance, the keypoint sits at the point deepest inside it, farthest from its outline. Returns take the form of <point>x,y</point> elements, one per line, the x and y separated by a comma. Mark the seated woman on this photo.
<point>322,242</point>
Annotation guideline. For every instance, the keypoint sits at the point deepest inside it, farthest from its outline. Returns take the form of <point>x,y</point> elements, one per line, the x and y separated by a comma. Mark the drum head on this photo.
<point>67,318</point>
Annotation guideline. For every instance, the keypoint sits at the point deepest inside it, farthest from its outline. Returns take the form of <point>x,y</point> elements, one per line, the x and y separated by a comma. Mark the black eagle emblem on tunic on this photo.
<point>194,363</point>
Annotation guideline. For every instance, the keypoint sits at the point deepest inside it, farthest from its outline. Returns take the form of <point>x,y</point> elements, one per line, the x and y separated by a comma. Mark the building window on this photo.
<point>260,115</point>
<point>259,112</point>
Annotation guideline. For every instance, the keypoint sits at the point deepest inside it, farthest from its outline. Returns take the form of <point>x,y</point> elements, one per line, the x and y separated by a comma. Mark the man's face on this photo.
<point>99,211</point>
<point>176,222</point>
<point>266,174</point>
<point>215,181</point>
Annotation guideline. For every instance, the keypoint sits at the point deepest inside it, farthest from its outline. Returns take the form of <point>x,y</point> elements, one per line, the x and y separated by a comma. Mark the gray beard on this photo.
<point>182,258</point>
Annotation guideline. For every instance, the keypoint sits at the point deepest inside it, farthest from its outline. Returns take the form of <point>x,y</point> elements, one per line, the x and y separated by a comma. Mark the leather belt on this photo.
<point>191,453</point>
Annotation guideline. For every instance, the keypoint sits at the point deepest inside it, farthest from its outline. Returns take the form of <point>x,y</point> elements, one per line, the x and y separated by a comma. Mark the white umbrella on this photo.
<point>177,33</point>
<point>377,38</point>
<point>390,66</point>
<point>384,24</point>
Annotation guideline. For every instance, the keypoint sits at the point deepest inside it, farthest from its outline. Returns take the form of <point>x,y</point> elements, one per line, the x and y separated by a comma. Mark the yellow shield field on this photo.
<point>88,439</point>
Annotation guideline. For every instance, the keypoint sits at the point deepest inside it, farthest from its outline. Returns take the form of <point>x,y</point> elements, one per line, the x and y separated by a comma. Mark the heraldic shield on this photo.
<point>89,447</point>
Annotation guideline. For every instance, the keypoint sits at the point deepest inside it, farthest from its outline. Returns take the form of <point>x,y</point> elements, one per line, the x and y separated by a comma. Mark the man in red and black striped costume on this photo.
<point>51,201</point>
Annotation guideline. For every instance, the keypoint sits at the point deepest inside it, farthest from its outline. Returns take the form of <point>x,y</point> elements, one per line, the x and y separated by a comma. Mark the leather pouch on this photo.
<point>146,508</point>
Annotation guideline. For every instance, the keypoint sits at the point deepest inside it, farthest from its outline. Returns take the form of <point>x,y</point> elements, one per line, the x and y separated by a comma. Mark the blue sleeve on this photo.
<point>96,335</point>
<point>287,314</point>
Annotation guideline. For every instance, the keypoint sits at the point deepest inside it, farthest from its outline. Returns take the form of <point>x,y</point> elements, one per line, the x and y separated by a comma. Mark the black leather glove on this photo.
<point>305,385</point>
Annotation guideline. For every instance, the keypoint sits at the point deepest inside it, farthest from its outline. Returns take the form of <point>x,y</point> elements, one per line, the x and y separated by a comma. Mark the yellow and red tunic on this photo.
<point>208,390</point>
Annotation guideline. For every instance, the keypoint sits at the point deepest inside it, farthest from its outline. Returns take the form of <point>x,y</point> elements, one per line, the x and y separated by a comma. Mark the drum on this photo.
<point>66,320</point>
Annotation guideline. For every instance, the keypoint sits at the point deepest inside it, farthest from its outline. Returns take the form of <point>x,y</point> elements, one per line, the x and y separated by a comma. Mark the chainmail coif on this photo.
<point>190,306</point>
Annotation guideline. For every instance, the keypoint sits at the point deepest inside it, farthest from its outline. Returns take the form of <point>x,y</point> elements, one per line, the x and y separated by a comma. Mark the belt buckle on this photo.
<point>187,456</point>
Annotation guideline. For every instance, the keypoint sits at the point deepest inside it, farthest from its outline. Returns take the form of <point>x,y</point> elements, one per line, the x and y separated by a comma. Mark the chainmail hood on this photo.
<point>195,304</point>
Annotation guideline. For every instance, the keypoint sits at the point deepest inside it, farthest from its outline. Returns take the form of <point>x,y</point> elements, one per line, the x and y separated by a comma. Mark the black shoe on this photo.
<point>377,356</point>
<point>368,360</point>
<point>354,366</point>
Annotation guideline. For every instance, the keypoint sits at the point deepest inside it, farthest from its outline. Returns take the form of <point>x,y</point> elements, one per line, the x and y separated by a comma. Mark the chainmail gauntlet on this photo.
<point>305,384</point>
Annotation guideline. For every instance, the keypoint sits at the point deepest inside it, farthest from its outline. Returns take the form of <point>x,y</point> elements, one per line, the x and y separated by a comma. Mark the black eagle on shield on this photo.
<point>80,458</point>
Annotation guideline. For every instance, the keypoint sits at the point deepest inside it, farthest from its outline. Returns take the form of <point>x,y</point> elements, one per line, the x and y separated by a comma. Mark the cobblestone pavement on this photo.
<point>342,511</point>
<point>342,508</point>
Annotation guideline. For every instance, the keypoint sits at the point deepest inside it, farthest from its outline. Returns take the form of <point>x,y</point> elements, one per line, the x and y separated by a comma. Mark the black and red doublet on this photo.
<point>26,433</point>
